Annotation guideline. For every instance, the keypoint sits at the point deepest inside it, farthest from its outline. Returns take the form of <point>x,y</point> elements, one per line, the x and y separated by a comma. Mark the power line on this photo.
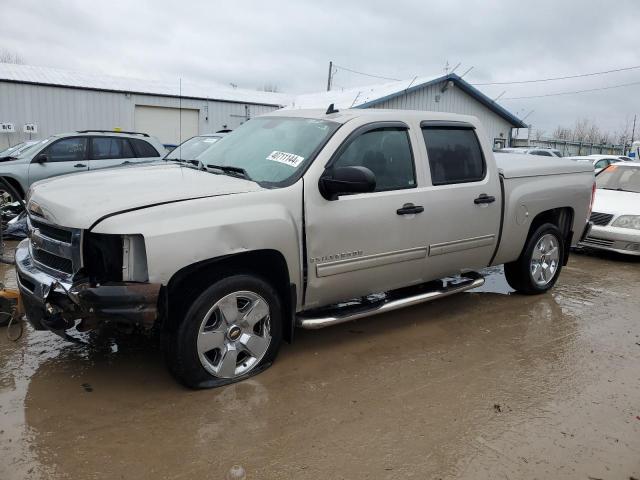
<point>560,78</point>
<point>575,91</point>
<point>366,74</point>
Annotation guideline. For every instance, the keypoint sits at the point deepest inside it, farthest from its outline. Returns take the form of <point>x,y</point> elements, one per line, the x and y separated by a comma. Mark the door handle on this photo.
<point>484,198</point>
<point>127,162</point>
<point>79,165</point>
<point>409,209</point>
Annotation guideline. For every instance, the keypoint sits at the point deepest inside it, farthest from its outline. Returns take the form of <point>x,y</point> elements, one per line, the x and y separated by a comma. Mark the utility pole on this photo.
<point>329,77</point>
<point>633,132</point>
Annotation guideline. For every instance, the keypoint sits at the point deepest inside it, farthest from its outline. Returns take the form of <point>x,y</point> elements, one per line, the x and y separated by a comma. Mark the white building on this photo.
<point>57,101</point>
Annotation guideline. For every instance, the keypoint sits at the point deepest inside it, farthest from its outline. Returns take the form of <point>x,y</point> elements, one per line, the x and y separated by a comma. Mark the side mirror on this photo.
<point>346,180</point>
<point>41,158</point>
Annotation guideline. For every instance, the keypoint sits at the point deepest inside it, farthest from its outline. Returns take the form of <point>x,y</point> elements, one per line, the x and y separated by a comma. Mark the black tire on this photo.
<point>519,273</point>
<point>181,348</point>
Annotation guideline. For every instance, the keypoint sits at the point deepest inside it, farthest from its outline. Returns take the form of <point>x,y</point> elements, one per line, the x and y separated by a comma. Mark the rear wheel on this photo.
<point>231,331</point>
<point>540,263</point>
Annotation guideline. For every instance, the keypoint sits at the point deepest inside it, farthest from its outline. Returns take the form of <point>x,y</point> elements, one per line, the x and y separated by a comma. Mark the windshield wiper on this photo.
<point>232,171</point>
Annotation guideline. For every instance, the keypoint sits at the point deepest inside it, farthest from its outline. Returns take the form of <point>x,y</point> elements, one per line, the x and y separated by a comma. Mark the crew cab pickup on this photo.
<point>300,218</point>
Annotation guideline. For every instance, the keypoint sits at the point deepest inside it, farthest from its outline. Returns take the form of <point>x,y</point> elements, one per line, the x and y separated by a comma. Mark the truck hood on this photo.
<point>514,165</point>
<point>616,203</point>
<point>81,199</point>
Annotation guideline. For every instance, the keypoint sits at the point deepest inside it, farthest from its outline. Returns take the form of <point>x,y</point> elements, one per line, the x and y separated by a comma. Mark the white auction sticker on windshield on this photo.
<point>290,159</point>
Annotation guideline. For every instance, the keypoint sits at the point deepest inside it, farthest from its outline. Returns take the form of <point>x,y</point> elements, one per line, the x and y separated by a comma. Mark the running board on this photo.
<point>311,322</point>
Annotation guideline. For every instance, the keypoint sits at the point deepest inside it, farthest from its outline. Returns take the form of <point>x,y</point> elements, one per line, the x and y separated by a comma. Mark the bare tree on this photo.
<point>539,135</point>
<point>562,133</point>
<point>269,87</point>
<point>7,56</point>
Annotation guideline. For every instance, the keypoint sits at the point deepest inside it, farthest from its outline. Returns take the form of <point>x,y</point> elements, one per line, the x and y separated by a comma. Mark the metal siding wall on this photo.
<point>57,110</point>
<point>452,100</point>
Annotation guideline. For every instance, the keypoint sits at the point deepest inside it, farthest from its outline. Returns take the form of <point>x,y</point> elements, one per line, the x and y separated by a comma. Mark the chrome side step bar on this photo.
<point>471,280</point>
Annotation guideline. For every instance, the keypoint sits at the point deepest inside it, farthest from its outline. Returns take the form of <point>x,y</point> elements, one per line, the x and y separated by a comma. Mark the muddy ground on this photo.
<point>484,385</point>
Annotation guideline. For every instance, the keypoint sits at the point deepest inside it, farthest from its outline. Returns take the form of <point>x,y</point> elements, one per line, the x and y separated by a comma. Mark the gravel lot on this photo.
<point>483,385</point>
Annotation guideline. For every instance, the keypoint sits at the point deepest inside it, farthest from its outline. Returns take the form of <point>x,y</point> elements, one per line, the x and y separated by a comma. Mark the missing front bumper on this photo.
<point>55,304</point>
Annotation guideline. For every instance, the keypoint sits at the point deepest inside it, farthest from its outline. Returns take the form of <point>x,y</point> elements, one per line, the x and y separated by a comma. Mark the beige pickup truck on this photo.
<point>301,218</point>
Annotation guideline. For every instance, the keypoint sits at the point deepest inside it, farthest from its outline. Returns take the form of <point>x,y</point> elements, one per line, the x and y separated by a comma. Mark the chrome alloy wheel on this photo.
<point>234,335</point>
<point>545,260</point>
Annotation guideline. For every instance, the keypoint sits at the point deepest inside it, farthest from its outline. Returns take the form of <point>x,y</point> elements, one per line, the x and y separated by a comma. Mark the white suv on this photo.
<point>77,152</point>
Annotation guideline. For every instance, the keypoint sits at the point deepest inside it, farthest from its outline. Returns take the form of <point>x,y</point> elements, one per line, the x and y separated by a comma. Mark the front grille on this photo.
<point>55,248</point>
<point>601,219</point>
<point>53,261</point>
<point>53,232</point>
<point>601,242</point>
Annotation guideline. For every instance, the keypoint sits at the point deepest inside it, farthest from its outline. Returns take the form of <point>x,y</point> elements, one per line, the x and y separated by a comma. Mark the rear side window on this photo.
<point>387,153</point>
<point>67,150</point>
<point>143,148</point>
<point>103,148</point>
<point>454,154</point>
<point>542,153</point>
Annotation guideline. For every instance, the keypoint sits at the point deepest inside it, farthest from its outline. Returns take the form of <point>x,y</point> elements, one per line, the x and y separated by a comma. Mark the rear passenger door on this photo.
<point>463,203</point>
<point>109,152</point>
<point>67,155</point>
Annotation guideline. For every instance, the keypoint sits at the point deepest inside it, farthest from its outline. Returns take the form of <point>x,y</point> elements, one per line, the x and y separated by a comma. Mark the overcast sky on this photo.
<point>289,44</point>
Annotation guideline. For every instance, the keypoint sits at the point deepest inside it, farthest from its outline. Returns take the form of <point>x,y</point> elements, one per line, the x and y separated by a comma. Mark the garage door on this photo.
<point>165,122</point>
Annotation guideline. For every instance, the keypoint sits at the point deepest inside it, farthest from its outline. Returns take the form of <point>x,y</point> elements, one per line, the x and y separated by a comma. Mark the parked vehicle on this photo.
<point>287,220</point>
<point>616,210</point>
<point>599,162</point>
<point>76,152</point>
<point>192,148</point>
<point>543,152</point>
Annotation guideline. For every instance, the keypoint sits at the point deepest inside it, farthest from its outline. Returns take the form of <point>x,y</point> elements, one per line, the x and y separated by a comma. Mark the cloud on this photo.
<point>289,44</point>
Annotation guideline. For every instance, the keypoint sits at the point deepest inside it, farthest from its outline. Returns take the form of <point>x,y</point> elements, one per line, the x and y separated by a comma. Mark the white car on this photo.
<point>616,210</point>
<point>600,162</point>
<point>542,152</point>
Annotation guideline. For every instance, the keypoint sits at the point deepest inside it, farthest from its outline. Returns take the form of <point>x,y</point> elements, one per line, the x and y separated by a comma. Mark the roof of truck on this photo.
<point>343,116</point>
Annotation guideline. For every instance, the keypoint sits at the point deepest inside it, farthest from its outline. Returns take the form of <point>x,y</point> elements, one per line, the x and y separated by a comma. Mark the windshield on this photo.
<point>271,150</point>
<point>622,178</point>
<point>30,148</point>
<point>10,150</point>
<point>190,149</point>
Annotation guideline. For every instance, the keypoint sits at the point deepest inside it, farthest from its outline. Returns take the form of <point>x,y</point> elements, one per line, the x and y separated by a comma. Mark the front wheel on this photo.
<point>231,331</point>
<point>540,263</point>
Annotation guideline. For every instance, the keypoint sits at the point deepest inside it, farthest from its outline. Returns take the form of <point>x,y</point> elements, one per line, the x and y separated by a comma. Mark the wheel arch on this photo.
<point>15,184</point>
<point>561,217</point>
<point>187,283</point>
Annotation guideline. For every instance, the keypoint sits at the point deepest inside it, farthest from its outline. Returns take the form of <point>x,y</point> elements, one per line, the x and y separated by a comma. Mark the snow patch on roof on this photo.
<point>66,78</point>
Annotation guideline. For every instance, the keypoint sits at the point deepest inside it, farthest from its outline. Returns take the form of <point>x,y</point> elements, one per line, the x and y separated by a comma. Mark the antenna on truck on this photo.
<point>331,110</point>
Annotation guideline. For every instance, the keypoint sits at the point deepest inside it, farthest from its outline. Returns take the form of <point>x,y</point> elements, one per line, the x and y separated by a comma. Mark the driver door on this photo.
<point>67,155</point>
<point>368,242</point>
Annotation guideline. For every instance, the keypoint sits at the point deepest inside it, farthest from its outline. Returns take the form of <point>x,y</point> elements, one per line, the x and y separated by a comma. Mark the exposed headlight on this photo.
<point>627,221</point>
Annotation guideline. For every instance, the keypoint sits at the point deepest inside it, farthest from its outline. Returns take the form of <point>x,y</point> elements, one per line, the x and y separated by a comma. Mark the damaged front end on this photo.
<point>69,278</point>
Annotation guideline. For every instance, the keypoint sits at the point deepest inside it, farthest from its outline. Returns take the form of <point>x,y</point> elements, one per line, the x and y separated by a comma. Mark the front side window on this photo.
<point>103,148</point>
<point>67,150</point>
<point>271,150</point>
<point>384,151</point>
<point>454,154</point>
